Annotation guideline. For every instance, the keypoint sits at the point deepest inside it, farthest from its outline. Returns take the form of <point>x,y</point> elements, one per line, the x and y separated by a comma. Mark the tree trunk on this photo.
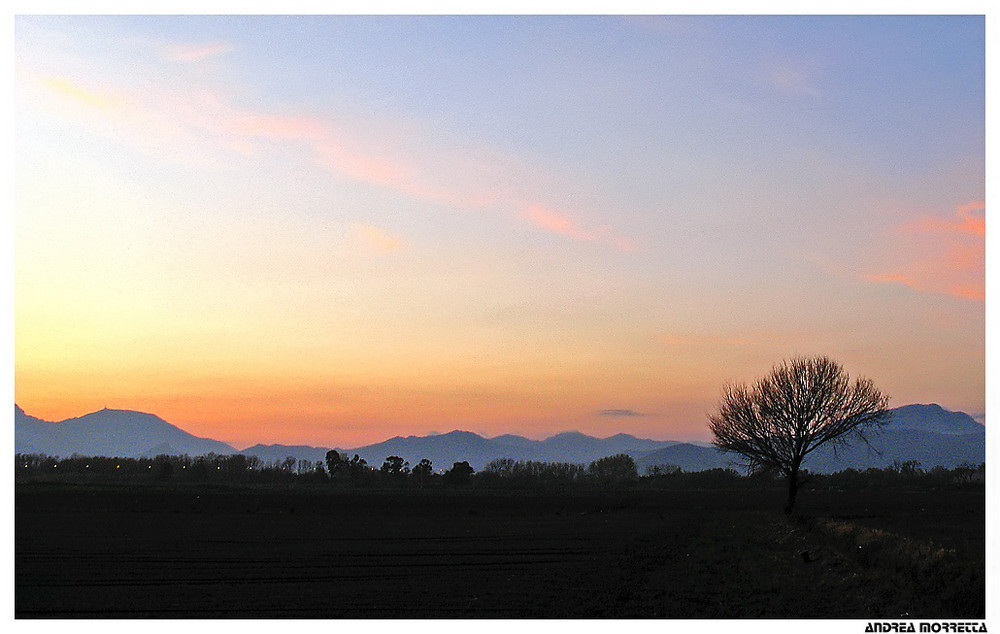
<point>793,489</point>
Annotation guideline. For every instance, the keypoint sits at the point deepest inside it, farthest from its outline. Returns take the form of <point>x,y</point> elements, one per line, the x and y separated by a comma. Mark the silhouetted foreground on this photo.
<point>197,550</point>
<point>609,472</point>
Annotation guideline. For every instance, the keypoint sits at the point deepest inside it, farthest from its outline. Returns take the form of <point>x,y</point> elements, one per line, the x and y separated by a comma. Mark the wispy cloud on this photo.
<point>149,124</point>
<point>565,225</point>
<point>201,127</point>
<point>195,52</point>
<point>942,255</point>
<point>376,238</point>
<point>923,280</point>
<point>969,219</point>
<point>556,222</point>
<point>78,92</point>
<point>619,412</point>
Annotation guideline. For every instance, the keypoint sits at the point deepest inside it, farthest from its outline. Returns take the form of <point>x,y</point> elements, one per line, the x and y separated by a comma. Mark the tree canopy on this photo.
<point>802,404</point>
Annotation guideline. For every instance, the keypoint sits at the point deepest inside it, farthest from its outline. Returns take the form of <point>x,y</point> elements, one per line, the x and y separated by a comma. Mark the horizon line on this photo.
<point>431,434</point>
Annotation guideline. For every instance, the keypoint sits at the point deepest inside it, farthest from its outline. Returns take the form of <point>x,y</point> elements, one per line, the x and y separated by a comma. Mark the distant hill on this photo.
<point>929,434</point>
<point>443,450</point>
<point>108,432</point>
<point>272,453</point>
<point>687,456</point>
<point>934,418</point>
<point>930,449</point>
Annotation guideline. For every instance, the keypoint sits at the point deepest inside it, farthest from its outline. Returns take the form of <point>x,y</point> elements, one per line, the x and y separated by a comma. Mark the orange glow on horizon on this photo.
<point>266,418</point>
<point>324,410</point>
<point>345,232</point>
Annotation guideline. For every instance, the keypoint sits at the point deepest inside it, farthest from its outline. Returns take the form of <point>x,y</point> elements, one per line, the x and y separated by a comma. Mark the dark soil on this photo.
<point>320,553</point>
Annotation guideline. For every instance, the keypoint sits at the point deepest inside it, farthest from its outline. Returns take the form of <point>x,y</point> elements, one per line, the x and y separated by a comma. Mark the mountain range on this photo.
<point>109,432</point>
<point>929,434</point>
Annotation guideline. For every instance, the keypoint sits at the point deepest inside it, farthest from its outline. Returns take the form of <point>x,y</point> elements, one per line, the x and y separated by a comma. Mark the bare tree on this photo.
<point>802,404</point>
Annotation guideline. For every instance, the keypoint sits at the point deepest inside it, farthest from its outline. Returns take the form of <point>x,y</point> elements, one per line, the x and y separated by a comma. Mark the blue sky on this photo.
<point>503,224</point>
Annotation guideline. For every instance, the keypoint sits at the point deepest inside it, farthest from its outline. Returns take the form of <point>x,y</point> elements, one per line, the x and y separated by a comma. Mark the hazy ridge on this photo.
<point>929,434</point>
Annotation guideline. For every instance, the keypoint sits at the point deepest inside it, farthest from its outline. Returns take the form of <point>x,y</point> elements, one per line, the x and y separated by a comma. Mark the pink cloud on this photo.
<point>920,282</point>
<point>196,52</point>
<point>970,219</point>
<point>563,224</point>
<point>968,292</point>
<point>364,167</point>
<point>555,222</point>
<point>204,128</point>
<point>398,175</point>
<point>941,255</point>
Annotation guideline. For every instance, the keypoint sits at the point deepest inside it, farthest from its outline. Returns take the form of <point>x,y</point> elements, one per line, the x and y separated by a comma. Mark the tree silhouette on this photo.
<point>422,471</point>
<point>357,469</point>
<point>395,466</point>
<point>460,473</point>
<point>423,468</point>
<point>334,463</point>
<point>802,404</point>
<point>616,469</point>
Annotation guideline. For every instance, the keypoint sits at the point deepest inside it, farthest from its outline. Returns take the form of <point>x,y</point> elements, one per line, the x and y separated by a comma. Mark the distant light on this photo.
<point>118,466</point>
<point>150,467</point>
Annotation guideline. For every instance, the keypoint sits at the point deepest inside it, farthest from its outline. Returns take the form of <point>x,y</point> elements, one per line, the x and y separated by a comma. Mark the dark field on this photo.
<point>323,553</point>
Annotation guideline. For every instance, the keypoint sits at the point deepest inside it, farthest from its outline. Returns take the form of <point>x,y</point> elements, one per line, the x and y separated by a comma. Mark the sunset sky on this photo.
<point>334,230</point>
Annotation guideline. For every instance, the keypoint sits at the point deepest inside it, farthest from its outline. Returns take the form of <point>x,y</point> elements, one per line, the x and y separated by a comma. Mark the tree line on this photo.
<point>612,471</point>
<point>335,469</point>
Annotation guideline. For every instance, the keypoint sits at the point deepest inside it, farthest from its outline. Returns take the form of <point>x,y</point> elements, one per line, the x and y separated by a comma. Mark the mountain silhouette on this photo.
<point>913,433</point>
<point>272,453</point>
<point>443,450</point>
<point>109,432</point>
<point>929,434</point>
<point>929,448</point>
<point>934,418</point>
<point>686,456</point>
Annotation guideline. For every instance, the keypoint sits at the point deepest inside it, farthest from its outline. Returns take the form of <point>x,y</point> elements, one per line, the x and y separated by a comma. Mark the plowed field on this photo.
<point>320,553</point>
